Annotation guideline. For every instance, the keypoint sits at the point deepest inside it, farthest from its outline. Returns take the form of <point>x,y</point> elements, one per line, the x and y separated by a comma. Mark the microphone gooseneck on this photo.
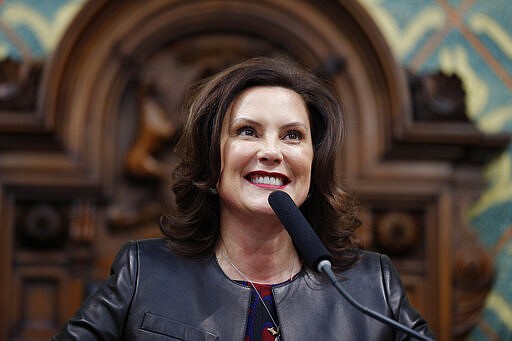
<point>316,256</point>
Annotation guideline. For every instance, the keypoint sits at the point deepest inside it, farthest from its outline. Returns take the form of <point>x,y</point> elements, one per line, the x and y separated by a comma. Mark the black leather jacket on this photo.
<point>154,295</point>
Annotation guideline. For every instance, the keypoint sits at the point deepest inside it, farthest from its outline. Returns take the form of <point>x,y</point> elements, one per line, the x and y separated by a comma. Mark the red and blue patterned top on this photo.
<point>258,320</point>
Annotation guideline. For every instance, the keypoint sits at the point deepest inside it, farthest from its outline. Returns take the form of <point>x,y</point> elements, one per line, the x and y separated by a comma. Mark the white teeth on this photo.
<point>267,180</point>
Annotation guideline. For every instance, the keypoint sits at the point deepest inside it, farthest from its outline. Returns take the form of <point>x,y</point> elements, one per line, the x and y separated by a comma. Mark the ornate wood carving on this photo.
<point>437,97</point>
<point>87,169</point>
<point>397,233</point>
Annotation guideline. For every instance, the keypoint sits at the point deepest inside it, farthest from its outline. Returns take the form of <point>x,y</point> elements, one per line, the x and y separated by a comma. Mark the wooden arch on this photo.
<point>108,113</point>
<point>107,44</point>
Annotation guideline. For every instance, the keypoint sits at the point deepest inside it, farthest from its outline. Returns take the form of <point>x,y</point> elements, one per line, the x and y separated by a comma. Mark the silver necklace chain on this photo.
<point>275,332</point>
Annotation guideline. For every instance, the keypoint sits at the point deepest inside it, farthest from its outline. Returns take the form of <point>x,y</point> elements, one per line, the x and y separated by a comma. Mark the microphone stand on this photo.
<point>325,267</point>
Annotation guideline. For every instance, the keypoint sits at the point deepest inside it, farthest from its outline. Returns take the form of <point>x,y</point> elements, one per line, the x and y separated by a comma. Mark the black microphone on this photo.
<point>304,237</point>
<point>316,256</point>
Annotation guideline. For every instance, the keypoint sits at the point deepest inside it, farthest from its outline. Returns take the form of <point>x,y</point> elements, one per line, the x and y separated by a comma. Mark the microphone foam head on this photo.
<point>304,237</point>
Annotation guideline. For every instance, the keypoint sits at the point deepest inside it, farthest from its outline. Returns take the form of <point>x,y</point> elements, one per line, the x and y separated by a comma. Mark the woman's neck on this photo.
<point>260,253</point>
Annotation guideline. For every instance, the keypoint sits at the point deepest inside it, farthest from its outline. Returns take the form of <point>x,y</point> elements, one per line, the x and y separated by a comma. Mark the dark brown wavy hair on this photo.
<point>192,225</point>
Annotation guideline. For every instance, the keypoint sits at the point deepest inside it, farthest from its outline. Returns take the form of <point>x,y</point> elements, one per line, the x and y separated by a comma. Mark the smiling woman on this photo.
<point>277,109</point>
<point>227,269</point>
<point>265,145</point>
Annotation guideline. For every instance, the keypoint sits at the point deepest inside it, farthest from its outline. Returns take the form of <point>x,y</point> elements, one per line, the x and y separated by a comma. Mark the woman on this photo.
<point>227,269</point>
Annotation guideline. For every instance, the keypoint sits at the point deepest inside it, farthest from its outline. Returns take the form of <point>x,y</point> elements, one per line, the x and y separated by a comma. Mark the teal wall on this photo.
<point>472,38</point>
<point>32,28</point>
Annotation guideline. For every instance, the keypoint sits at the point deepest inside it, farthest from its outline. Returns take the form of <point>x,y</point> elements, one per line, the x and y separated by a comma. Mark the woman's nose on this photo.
<point>270,153</point>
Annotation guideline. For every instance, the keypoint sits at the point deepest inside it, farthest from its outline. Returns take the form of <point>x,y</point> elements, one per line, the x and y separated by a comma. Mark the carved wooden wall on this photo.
<point>86,143</point>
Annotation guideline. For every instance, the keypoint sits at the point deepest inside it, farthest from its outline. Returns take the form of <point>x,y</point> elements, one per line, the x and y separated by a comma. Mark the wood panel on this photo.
<point>86,143</point>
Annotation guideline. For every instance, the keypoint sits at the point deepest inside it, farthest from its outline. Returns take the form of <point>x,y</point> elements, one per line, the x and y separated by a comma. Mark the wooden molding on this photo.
<point>90,156</point>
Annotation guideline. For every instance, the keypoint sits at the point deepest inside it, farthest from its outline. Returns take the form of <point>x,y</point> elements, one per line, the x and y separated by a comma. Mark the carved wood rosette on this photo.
<point>85,163</point>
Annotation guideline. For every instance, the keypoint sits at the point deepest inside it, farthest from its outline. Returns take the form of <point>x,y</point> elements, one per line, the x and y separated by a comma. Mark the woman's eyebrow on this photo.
<point>245,120</point>
<point>256,123</point>
<point>295,124</point>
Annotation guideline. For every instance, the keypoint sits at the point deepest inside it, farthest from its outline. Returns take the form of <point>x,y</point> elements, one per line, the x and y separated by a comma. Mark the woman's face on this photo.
<point>265,145</point>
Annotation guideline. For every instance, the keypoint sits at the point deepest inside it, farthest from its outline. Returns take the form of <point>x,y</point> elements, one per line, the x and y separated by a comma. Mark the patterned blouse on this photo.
<point>258,321</point>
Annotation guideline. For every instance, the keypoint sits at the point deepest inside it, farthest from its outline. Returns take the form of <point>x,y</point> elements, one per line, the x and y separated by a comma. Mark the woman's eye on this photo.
<point>293,135</point>
<point>246,131</point>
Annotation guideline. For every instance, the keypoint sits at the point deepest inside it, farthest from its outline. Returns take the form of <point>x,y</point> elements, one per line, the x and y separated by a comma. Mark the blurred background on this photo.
<point>90,99</point>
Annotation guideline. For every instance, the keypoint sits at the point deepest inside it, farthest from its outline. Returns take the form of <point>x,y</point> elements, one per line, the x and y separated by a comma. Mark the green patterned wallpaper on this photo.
<point>32,28</point>
<point>472,38</point>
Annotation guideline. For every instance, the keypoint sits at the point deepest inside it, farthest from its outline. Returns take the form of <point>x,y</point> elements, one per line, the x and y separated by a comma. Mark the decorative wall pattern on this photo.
<point>472,38</point>
<point>32,28</point>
